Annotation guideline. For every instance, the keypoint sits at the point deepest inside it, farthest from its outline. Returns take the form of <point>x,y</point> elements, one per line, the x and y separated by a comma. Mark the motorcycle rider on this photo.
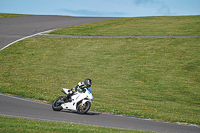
<point>80,87</point>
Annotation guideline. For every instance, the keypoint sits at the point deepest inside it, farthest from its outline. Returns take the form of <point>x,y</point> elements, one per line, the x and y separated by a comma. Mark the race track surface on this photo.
<point>12,29</point>
<point>13,106</point>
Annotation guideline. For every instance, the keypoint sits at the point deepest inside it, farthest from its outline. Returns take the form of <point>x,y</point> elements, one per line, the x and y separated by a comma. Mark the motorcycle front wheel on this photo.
<point>56,106</point>
<point>82,109</point>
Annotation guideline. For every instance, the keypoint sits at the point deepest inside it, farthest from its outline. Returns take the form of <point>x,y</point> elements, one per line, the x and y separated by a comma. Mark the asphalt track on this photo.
<point>13,106</point>
<point>13,29</point>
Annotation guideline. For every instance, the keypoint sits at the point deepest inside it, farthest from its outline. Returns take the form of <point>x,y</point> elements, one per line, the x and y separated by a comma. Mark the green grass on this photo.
<point>8,15</point>
<point>139,26</point>
<point>147,77</point>
<point>19,125</point>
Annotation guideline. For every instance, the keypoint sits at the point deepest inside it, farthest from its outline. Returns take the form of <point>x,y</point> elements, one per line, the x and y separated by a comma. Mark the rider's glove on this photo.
<point>84,90</point>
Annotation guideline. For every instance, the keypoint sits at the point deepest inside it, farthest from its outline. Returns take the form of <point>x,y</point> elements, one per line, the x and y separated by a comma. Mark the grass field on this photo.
<point>8,15</point>
<point>18,125</point>
<point>139,26</point>
<point>147,77</point>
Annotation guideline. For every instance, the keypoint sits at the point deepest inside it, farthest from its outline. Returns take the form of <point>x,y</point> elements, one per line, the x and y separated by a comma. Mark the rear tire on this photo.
<point>83,109</point>
<point>57,106</point>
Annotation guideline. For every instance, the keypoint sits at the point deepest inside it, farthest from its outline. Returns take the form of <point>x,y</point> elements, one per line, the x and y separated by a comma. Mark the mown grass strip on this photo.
<point>146,77</point>
<point>8,15</point>
<point>138,26</point>
<point>19,125</point>
<point>75,36</point>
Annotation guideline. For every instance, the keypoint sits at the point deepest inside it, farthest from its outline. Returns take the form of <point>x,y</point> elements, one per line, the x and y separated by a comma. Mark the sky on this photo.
<point>102,8</point>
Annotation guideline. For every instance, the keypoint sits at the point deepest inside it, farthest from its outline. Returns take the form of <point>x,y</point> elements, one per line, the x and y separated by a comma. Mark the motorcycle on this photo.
<point>80,101</point>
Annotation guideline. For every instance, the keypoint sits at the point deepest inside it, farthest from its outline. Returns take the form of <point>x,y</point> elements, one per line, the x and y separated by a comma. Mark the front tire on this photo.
<point>83,109</point>
<point>56,106</point>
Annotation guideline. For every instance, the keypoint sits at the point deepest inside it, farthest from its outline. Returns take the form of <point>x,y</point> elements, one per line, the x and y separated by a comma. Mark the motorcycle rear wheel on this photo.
<point>83,109</point>
<point>57,106</point>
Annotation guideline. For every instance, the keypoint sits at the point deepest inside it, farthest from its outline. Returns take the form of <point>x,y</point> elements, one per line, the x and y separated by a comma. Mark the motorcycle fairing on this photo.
<point>75,99</point>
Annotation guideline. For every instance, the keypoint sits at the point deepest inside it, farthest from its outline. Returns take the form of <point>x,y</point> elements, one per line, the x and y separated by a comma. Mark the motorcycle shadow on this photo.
<point>74,112</point>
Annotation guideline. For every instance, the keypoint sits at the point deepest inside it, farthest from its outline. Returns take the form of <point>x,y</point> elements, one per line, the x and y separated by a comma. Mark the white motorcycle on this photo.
<point>80,102</point>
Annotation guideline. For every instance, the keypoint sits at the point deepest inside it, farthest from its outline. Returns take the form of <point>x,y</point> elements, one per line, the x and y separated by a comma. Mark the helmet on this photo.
<point>88,82</point>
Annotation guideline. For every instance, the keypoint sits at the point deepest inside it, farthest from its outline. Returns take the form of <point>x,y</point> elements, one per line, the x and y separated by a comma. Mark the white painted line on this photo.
<point>25,38</point>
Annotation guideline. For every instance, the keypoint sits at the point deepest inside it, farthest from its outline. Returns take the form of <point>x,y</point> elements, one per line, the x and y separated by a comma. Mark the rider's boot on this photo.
<point>69,95</point>
<point>67,98</point>
<point>64,99</point>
